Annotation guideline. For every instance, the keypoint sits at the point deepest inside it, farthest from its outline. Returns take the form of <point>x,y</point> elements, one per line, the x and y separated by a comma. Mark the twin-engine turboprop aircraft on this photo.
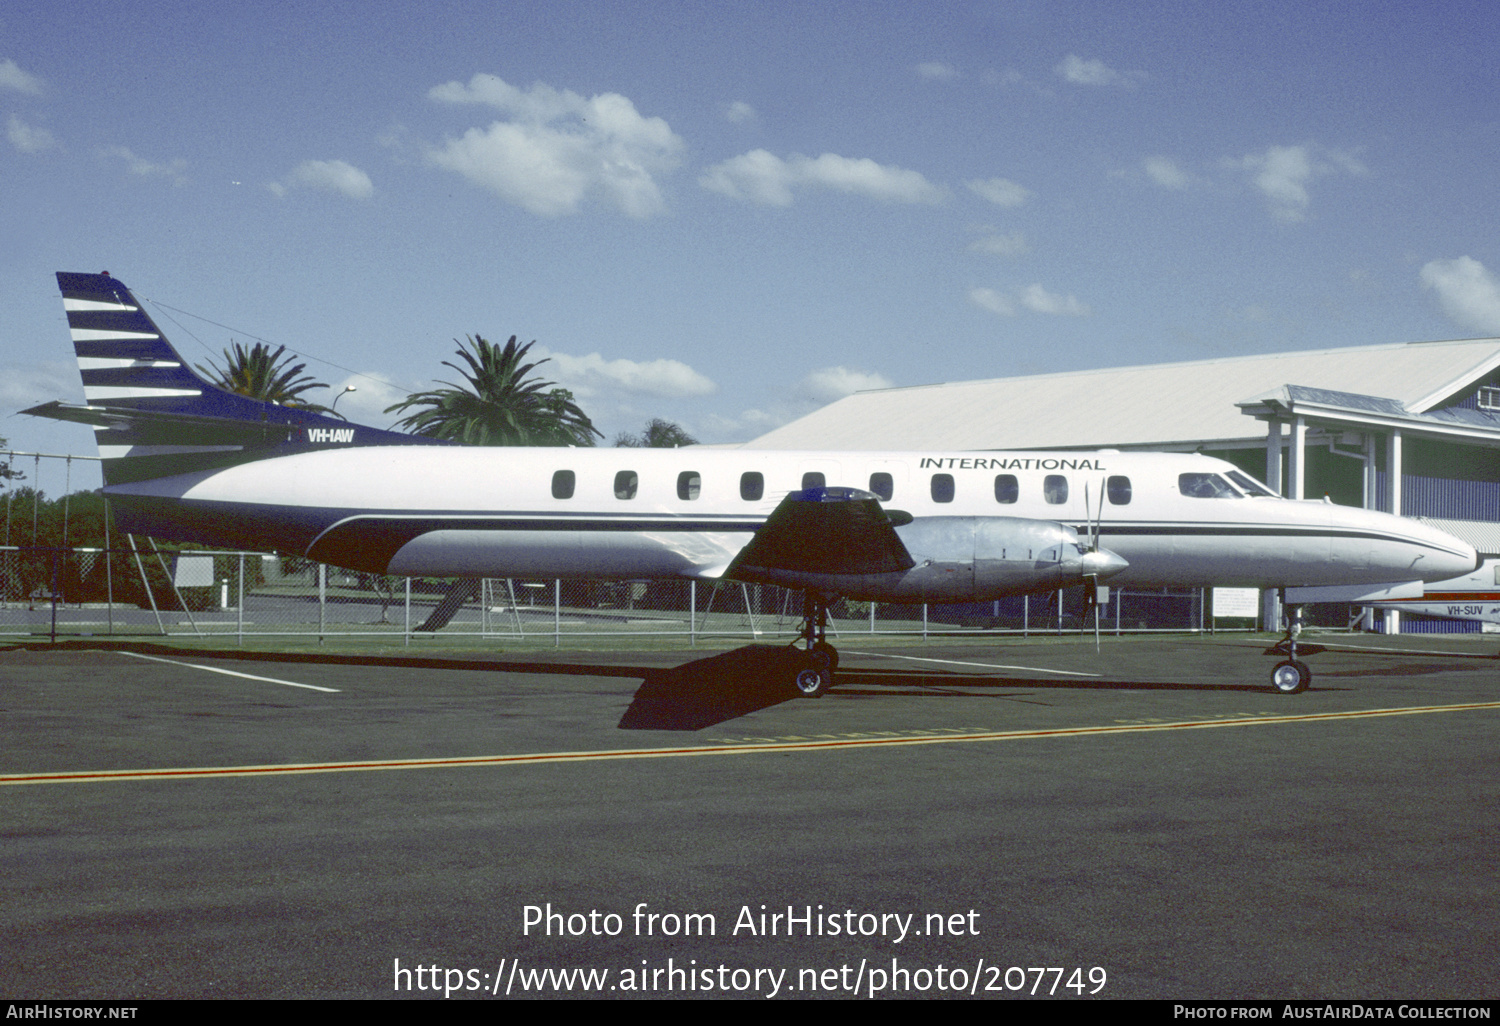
<point>1474,596</point>
<point>185,460</point>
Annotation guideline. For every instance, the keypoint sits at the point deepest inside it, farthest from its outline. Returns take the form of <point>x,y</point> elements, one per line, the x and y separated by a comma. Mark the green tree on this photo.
<point>659,434</point>
<point>260,373</point>
<point>501,404</point>
<point>6,471</point>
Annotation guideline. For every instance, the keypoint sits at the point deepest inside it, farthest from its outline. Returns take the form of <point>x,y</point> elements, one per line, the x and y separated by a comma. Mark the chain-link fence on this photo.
<point>79,592</point>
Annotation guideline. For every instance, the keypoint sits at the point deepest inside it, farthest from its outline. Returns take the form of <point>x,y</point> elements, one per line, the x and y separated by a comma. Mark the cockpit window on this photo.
<point>1249,485</point>
<point>1206,486</point>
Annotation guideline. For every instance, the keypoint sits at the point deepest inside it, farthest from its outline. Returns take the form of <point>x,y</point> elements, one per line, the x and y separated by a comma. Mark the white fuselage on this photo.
<point>1178,519</point>
<point>1473,596</point>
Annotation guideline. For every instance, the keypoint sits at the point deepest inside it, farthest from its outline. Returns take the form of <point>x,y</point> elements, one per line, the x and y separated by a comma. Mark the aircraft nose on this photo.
<point>1446,556</point>
<point>1102,563</point>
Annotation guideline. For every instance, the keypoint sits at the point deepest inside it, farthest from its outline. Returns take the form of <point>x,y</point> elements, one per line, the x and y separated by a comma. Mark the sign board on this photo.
<point>1242,602</point>
<point>193,572</point>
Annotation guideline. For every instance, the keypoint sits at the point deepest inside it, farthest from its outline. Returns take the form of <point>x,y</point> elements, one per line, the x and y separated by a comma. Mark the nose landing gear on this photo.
<point>1291,676</point>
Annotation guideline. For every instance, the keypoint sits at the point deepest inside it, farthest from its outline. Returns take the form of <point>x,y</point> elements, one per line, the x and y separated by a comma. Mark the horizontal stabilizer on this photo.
<point>825,531</point>
<point>149,427</point>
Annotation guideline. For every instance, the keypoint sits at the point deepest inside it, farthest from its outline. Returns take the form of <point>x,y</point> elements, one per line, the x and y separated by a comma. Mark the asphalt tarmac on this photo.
<point>955,819</point>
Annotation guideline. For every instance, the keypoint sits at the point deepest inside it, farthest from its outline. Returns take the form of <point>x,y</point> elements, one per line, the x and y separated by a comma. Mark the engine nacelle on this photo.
<point>970,559</point>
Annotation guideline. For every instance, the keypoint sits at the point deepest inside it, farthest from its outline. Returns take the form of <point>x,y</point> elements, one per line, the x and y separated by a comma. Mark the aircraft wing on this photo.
<point>833,531</point>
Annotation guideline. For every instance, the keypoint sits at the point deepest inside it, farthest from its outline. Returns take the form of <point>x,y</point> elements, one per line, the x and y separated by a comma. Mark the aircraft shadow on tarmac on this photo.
<point>705,692</point>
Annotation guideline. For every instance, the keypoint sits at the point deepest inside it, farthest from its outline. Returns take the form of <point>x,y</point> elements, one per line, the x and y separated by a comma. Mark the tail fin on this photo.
<point>154,416</point>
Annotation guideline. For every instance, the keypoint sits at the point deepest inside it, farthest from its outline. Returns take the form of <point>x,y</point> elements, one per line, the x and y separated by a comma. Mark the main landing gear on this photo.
<point>812,669</point>
<point>1291,676</point>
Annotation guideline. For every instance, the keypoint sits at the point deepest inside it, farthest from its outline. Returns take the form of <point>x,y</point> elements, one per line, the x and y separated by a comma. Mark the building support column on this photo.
<point>1296,460</point>
<point>1273,455</point>
<point>1393,495</point>
<point>1270,608</point>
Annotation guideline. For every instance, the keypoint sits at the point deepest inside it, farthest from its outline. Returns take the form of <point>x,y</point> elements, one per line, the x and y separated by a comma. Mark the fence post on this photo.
<point>557,612</point>
<point>322,596</point>
<point>692,614</point>
<point>54,595</point>
<point>406,631</point>
<point>240,602</point>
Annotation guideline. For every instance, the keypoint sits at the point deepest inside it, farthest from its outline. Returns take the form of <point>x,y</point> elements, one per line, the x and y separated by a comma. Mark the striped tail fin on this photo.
<point>154,416</point>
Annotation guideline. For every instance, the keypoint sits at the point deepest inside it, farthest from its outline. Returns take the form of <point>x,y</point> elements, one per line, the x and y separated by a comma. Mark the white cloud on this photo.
<point>1165,172</point>
<point>590,375</point>
<point>27,139</point>
<point>149,169</point>
<point>1008,244</point>
<point>1000,191</point>
<point>12,77</point>
<point>1033,298</point>
<point>1283,173</point>
<point>739,112</point>
<point>830,383</point>
<point>1077,71</point>
<point>29,384</point>
<point>559,148</point>
<point>1039,300</point>
<point>763,177</point>
<point>994,302</point>
<point>1467,292</point>
<point>937,71</point>
<point>817,389</point>
<point>334,175</point>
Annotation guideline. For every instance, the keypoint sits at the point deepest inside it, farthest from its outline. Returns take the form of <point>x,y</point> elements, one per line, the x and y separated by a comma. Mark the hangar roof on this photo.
<point>1160,404</point>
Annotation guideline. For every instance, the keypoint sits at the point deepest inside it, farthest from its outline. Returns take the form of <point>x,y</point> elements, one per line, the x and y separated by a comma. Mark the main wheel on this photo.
<point>814,675</point>
<point>812,682</point>
<point>1291,677</point>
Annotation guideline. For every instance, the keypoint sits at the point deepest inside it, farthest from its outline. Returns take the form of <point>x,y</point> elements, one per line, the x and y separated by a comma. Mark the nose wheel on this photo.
<point>1291,676</point>
<point>812,674</point>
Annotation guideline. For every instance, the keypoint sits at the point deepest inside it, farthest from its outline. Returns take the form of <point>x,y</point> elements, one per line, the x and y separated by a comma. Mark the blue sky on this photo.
<point>728,214</point>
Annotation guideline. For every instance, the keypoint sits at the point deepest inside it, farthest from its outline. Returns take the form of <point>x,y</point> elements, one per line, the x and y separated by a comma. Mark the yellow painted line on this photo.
<point>99,776</point>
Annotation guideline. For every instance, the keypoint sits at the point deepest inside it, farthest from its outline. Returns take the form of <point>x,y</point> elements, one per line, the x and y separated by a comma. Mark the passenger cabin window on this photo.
<point>1206,486</point>
<point>689,483</point>
<point>1118,490</point>
<point>942,487</point>
<point>562,484</point>
<point>1055,489</point>
<point>812,479</point>
<point>752,485</point>
<point>626,484</point>
<point>882,485</point>
<point>1007,488</point>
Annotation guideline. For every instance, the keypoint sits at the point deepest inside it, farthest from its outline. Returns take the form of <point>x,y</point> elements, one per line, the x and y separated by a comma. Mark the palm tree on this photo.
<point>501,404</point>
<point>259,373</point>
<point>659,434</point>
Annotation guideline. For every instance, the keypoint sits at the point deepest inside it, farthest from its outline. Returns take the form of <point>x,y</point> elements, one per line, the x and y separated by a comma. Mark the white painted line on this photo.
<point>230,673</point>
<point>987,666</point>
